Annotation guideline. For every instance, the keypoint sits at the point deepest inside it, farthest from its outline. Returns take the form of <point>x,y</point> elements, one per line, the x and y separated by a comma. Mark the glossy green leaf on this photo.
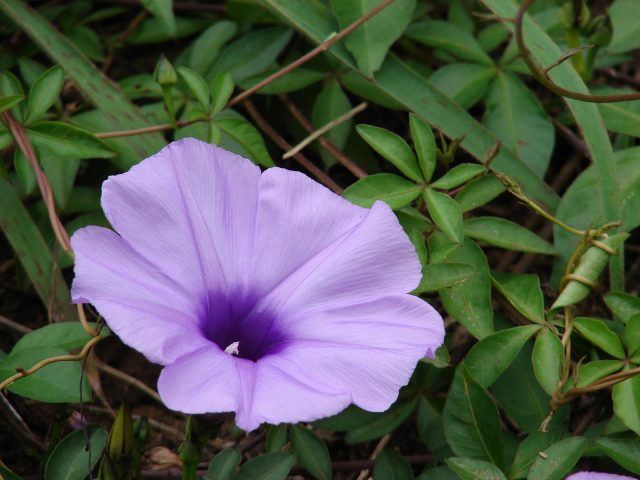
<point>391,466</point>
<point>224,465</point>
<point>450,38</point>
<point>392,189</point>
<point>221,91</point>
<point>363,87</point>
<point>10,86</point>
<point>624,451</point>
<point>626,31</point>
<point>548,360</point>
<point>468,302</point>
<point>44,93</point>
<point>312,453</point>
<point>464,83</point>
<point>425,145</point>
<point>382,423</point>
<point>470,469</point>
<point>270,466</point>
<point>523,292</point>
<point>529,449</point>
<point>370,42</point>
<point>329,105</point>
<point>515,116</point>
<point>202,53</point>
<point>478,192</point>
<point>557,460</point>
<point>33,253</point>
<point>277,437</point>
<point>597,332</point>
<point>163,11</point>
<point>626,402</point>
<point>471,421</point>
<point>65,335</point>
<point>504,233</point>
<point>436,276</point>
<point>247,137</point>
<point>591,265</point>
<point>55,383</point>
<point>71,460</point>
<point>597,369</point>
<point>66,141</point>
<point>445,213</point>
<point>291,82</point>
<point>251,54</point>
<point>458,175</point>
<point>10,101</point>
<point>492,355</point>
<point>24,171</point>
<point>623,305</point>
<point>197,85</point>
<point>393,148</point>
<point>632,335</point>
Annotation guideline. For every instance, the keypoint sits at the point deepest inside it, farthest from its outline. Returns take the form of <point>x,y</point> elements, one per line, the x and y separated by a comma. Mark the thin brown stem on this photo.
<point>283,144</point>
<point>546,81</point>
<point>128,379</point>
<point>164,127</point>
<point>324,142</point>
<point>122,38</point>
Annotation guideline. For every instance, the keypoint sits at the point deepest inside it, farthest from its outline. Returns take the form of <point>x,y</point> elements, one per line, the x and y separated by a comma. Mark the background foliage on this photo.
<point>518,188</point>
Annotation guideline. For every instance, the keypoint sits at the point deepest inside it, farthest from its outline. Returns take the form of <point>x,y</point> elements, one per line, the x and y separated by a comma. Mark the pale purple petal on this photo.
<point>598,476</point>
<point>147,309</point>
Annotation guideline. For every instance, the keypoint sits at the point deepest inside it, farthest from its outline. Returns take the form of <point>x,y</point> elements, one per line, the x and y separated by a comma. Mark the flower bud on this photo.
<point>117,462</point>
<point>165,74</point>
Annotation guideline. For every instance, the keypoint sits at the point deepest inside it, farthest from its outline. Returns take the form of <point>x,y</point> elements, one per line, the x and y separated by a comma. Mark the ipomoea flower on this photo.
<point>598,476</point>
<point>264,294</point>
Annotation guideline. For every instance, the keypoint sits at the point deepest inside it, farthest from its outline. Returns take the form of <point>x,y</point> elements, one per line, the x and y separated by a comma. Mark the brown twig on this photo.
<point>18,327</point>
<point>128,379</point>
<point>122,38</point>
<point>574,140</point>
<point>324,142</point>
<point>308,56</point>
<point>282,143</point>
<point>546,81</point>
<point>152,129</point>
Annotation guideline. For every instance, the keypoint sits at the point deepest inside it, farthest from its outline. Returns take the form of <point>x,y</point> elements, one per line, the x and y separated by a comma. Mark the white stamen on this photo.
<point>233,349</point>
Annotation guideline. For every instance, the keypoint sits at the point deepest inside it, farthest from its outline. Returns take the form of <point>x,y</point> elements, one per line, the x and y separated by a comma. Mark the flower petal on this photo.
<point>597,476</point>
<point>144,307</point>
<point>190,209</point>
<point>370,349</point>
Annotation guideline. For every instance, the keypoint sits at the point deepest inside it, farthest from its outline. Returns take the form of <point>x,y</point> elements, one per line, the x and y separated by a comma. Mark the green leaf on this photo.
<point>468,302</point>
<point>464,83</point>
<point>65,335</point>
<point>224,465</point>
<point>221,91</point>
<point>626,31</point>
<point>557,460</point>
<point>392,189</point>
<point>471,421</point>
<point>591,265</point>
<point>391,466</point>
<point>515,116</point>
<point>632,335</point>
<point>44,93</point>
<point>7,474</point>
<point>24,171</point>
<point>523,292</point>
<point>620,117</point>
<point>153,30</point>
<point>203,52</point>
<point>625,452</point>
<point>66,141</point>
<point>34,254</point>
<point>277,437</point>
<point>71,460</point>
<point>623,305</point>
<point>197,85</point>
<point>597,332</point>
<point>163,11</point>
<point>430,429</point>
<point>492,355</point>
<point>363,87</point>
<point>370,42</point>
<point>329,105</point>
<point>393,148</point>
<point>506,234</point>
<point>436,276</point>
<point>56,383</point>
<point>10,86</point>
<point>596,370</point>
<point>251,54</point>
<point>470,469</point>
<point>478,192</point>
<point>270,466</point>
<point>248,137</point>
<point>548,360</point>
<point>10,101</point>
<point>626,402</point>
<point>458,175</point>
<point>529,449</point>
<point>293,81</point>
<point>450,38</point>
<point>445,213</point>
<point>425,145</point>
<point>382,423</point>
<point>312,453</point>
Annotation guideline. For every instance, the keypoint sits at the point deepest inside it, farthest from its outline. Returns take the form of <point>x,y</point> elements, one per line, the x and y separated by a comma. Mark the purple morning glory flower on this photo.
<point>260,293</point>
<point>598,476</point>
